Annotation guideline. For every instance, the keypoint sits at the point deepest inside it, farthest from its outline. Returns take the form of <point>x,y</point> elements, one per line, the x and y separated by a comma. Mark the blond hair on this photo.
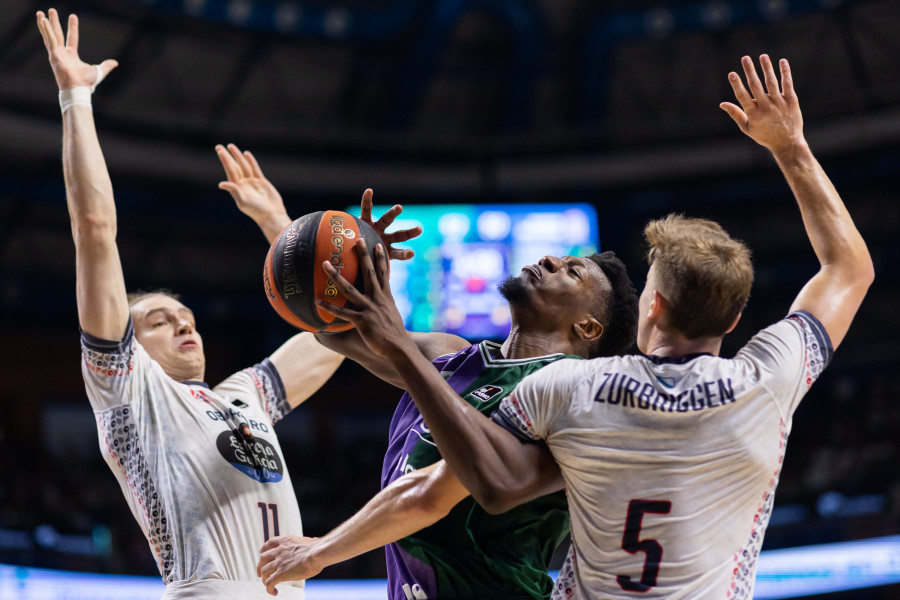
<point>135,297</point>
<point>704,275</point>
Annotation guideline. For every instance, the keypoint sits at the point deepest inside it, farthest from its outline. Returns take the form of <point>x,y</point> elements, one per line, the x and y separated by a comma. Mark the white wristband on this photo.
<point>100,76</point>
<point>76,96</point>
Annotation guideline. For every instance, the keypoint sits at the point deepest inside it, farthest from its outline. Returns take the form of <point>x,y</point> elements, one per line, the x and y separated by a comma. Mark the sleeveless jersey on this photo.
<point>201,468</point>
<point>470,553</point>
<point>670,464</point>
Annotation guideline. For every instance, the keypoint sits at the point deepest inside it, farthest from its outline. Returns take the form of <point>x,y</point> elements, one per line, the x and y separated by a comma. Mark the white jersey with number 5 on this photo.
<point>201,468</point>
<point>670,465</point>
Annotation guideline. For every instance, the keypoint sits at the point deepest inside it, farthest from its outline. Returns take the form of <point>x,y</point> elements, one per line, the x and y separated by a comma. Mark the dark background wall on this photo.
<point>610,103</point>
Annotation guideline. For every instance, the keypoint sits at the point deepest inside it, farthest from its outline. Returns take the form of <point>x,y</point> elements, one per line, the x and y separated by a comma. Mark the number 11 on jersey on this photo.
<point>265,509</point>
<point>632,544</point>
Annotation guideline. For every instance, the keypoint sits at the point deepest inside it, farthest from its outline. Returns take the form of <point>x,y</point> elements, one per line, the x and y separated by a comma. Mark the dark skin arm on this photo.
<point>495,466</point>
<point>351,345</point>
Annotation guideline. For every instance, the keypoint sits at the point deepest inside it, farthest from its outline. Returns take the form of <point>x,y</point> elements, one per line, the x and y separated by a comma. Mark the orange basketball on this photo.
<point>293,276</point>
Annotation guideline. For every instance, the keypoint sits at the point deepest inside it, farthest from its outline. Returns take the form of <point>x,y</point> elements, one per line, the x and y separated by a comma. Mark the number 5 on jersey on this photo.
<point>632,543</point>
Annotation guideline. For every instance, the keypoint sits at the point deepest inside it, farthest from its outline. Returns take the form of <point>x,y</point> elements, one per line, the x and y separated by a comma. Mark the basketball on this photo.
<point>293,276</point>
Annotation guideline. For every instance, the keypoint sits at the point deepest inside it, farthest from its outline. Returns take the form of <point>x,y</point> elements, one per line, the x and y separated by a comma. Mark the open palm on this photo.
<point>68,68</point>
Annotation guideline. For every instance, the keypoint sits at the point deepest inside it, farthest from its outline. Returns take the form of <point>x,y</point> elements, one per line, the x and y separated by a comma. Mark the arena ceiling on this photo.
<point>449,94</point>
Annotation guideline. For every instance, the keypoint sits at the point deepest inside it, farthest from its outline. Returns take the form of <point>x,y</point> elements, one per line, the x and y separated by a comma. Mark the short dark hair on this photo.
<point>620,311</point>
<point>135,297</point>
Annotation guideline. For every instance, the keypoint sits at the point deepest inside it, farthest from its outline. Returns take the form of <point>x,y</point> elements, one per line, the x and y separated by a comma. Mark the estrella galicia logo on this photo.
<point>239,403</point>
<point>254,457</point>
<point>487,392</point>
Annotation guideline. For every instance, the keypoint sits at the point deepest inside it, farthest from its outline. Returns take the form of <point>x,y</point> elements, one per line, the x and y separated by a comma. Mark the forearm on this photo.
<point>100,289</point>
<point>349,344</point>
<point>304,366</point>
<point>497,469</point>
<point>411,503</point>
<point>833,236</point>
<point>272,225</point>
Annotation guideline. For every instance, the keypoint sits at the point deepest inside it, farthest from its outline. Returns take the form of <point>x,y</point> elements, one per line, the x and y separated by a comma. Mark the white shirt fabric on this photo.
<point>687,452</point>
<point>201,468</point>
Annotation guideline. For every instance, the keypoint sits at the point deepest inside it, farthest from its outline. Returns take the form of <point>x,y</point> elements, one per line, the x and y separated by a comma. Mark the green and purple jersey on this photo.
<point>470,553</point>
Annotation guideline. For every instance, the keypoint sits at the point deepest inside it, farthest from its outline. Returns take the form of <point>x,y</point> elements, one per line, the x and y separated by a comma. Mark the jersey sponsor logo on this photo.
<point>239,403</point>
<point>254,457</point>
<point>621,389</point>
<point>487,392</point>
<point>238,417</point>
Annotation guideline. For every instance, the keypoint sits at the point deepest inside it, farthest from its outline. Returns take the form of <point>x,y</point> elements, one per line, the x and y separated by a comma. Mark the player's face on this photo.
<point>561,290</point>
<point>165,328</point>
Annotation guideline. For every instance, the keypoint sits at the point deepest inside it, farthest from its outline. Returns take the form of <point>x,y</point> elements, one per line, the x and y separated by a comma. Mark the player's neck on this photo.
<point>528,344</point>
<point>662,343</point>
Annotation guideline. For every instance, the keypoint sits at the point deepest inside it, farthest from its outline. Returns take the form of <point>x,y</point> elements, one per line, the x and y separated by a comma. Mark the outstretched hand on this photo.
<point>254,195</point>
<point>373,313</point>
<point>287,558</point>
<point>770,115</point>
<point>70,71</point>
<point>389,239</point>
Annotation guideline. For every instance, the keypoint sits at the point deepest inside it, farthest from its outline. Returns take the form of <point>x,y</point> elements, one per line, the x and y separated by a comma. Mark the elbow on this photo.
<point>496,500</point>
<point>419,502</point>
<point>861,267</point>
<point>867,271</point>
<point>90,228</point>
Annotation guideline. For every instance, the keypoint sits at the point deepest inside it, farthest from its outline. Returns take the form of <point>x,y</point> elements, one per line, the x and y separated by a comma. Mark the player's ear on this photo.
<point>588,329</point>
<point>657,307</point>
<point>734,323</point>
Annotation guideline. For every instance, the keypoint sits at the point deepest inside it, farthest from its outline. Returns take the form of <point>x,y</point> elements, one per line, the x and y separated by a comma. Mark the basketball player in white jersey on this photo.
<point>671,459</point>
<point>200,467</point>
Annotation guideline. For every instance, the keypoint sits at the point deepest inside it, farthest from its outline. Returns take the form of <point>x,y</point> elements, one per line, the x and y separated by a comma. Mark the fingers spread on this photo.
<point>736,114</point>
<point>381,265</point>
<point>387,218</point>
<point>769,73</point>
<point>740,92</point>
<point>72,36</point>
<point>232,171</point>
<point>254,166</point>
<point>398,254</point>
<point>56,29</point>
<point>787,81</point>
<point>106,68</point>
<point>242,163</point>
<point>344,287</point>
<point>753,82</point>
<point>44,27</point>
<point>365,206</point>
<point>406,234</point>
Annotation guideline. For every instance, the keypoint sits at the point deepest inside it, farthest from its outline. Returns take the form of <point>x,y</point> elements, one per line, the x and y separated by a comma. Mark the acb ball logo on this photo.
<point>293,275</point>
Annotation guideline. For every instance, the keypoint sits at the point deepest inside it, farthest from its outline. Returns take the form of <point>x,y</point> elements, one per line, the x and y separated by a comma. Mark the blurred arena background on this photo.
<point>612,104</point>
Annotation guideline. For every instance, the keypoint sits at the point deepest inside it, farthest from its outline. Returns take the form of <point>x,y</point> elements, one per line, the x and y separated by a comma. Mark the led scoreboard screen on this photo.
<point>466,250</point>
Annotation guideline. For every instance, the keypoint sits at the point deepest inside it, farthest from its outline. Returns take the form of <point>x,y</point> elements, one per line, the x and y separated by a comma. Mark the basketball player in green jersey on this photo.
<point>447,546</point>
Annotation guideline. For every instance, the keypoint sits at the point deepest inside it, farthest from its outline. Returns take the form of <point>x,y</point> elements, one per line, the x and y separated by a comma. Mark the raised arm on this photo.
<point>770,115</point>
<point>99,283</point>
<point>254,195</point>
<point>304,366</point>
<point>495,466</point>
